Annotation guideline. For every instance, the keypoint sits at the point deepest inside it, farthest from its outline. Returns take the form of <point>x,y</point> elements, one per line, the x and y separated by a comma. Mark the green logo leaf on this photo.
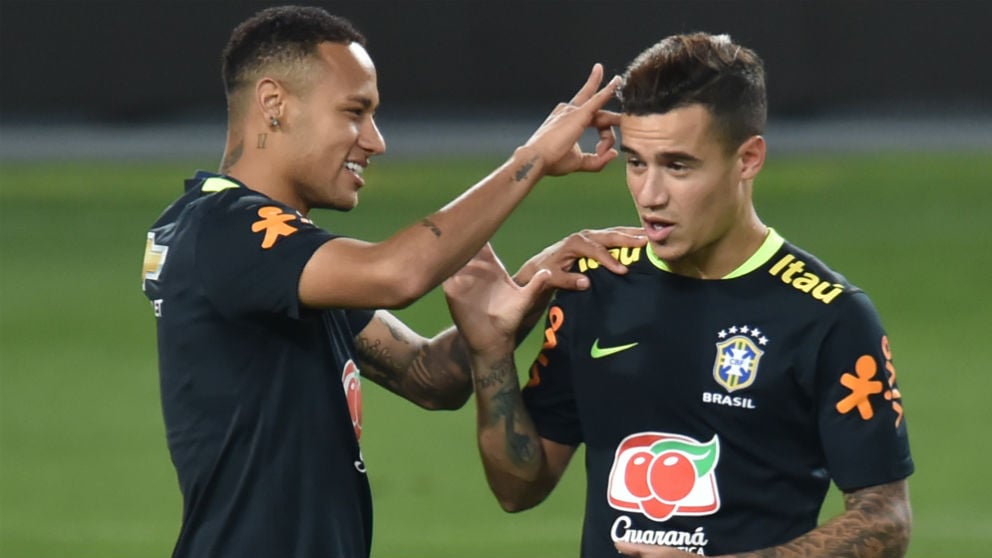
<point>703,455</point>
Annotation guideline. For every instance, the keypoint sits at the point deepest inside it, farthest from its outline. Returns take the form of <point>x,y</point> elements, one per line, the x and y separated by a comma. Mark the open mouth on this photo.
<point>356,168</point>
<point>657,229</point>
<point>656,224</point>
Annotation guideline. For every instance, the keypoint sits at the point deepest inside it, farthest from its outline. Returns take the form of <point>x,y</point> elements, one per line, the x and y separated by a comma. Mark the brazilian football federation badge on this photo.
<point>737,357</point>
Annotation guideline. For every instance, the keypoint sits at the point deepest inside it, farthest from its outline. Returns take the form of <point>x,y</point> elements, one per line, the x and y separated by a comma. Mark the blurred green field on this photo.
<point>84,470</point>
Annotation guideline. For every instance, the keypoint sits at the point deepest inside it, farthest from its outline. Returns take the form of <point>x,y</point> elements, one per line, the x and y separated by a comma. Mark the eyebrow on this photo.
<point>664,156</point>
<point>364,101</point>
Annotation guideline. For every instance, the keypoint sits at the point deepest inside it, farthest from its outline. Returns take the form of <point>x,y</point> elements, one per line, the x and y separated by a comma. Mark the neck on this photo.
<point>248,158</point>
<point>726,254</point>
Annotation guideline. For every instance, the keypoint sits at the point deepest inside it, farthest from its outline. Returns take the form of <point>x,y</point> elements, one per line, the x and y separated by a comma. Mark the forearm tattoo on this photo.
<point>382,361</point>
<point>432,227</point>
<point>435,374</point>
<point>876,524</point>
<point>498,373</point>
<point>395,333</point>
<point>524,170</point>
<point>506,406</point>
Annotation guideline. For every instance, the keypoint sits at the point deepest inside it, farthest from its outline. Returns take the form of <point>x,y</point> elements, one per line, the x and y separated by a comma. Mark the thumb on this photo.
<point>537,284</point>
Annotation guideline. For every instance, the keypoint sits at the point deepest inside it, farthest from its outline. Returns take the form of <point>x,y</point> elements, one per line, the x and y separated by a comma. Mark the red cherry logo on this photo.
<point>353,395</point>
<point>672,476</point>
<point>656,509</point>
<point>636,475</point>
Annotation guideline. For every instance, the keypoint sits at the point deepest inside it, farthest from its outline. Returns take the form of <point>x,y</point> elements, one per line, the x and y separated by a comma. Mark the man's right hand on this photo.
<point>556,141</point>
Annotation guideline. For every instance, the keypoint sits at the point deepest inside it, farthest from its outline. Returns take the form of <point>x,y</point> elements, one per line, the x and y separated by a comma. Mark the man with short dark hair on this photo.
<point>725,380</point>
<point>266,322</point>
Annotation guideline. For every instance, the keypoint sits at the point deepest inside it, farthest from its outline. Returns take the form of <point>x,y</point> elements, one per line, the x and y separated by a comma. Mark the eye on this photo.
<point>634,162</point>
<point>678,167</point>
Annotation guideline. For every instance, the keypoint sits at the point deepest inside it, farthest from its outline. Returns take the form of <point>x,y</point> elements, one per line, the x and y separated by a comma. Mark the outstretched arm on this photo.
<point>435,373</point>
<point>391,274</point>
<point>875,524</point>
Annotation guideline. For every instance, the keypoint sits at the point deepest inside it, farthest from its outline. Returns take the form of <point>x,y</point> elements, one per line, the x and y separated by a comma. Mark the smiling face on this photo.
<point>331,133</point>
<point>692,193</point>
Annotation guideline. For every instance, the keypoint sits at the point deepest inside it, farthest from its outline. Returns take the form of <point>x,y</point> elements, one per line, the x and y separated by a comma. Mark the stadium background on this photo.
<point>881,136</point>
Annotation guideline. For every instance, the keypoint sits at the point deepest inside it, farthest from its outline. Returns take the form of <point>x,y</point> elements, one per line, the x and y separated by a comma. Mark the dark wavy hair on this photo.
<point>703,69</point>
<point>280,37</point>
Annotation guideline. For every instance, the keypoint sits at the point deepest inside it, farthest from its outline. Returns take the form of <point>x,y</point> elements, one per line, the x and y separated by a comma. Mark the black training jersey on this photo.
<point>260,395</point>
<point>716,412</point>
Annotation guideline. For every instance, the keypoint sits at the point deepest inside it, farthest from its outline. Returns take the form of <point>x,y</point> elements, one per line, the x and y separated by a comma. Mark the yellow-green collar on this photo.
<point>218,183</point>
<point>773,241</point>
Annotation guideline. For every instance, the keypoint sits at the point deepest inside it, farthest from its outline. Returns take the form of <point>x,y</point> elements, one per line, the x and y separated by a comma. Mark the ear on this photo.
<point>751,155</point>
<point>270,96</point>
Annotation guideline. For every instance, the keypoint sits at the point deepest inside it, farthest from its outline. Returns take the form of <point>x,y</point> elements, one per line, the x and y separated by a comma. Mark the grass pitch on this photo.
<point>84,470</point>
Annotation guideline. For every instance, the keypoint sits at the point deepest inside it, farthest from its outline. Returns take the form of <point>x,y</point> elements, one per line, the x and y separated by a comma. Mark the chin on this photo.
<point>666,251</point>
<point>346,204</point>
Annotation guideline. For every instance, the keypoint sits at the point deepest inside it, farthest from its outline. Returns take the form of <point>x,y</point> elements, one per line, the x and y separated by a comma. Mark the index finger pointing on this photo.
<point>595,78</point>
<point>604,95</point>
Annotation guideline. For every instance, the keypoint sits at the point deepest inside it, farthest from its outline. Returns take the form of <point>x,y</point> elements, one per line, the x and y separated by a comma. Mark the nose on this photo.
<point>652,191</point>
<point>370,139</point>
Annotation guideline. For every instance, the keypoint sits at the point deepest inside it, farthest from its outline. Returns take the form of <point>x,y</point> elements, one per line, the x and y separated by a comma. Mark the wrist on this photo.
<point>527,164</point>
<point>493,352</point>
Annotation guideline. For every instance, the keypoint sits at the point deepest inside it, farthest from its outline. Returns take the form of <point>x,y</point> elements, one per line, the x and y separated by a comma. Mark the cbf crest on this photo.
<point>738,356</point>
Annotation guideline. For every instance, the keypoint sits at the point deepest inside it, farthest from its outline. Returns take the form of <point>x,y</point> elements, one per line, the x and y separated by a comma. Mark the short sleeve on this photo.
<point>251,253</point>
<point>358,319</point>
<point>862,420</point>
<point>549,394</point>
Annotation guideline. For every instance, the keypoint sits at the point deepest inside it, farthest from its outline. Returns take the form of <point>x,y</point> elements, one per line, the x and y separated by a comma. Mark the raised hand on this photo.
<point>556,141</point>
<point>562,255</point>
<point>486,305</point>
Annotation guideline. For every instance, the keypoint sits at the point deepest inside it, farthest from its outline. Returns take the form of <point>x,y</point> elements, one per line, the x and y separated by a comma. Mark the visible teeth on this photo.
<point>355,168</point>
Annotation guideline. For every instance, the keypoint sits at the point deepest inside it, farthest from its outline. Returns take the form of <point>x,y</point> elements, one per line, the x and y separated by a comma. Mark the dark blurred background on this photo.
<point>128,62</point>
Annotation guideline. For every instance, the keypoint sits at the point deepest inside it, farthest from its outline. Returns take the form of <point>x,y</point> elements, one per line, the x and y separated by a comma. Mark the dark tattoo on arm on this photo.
<point>232,157</point>
<point>397,335</point>
<point>875,524</point>
<point>498,373</point>
<point>521,447</point>
<point>433,228</point>
<point>524,170</point>
<point>377,355</point>
<point>433,375</point>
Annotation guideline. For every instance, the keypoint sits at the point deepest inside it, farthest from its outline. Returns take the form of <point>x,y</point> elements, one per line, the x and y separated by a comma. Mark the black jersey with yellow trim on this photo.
<point>260,395</point>
<point>715,413</point>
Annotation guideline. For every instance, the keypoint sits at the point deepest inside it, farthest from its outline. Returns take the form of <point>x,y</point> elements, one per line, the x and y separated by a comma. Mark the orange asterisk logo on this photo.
<point>274,223</point>
<point>861,387</point>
